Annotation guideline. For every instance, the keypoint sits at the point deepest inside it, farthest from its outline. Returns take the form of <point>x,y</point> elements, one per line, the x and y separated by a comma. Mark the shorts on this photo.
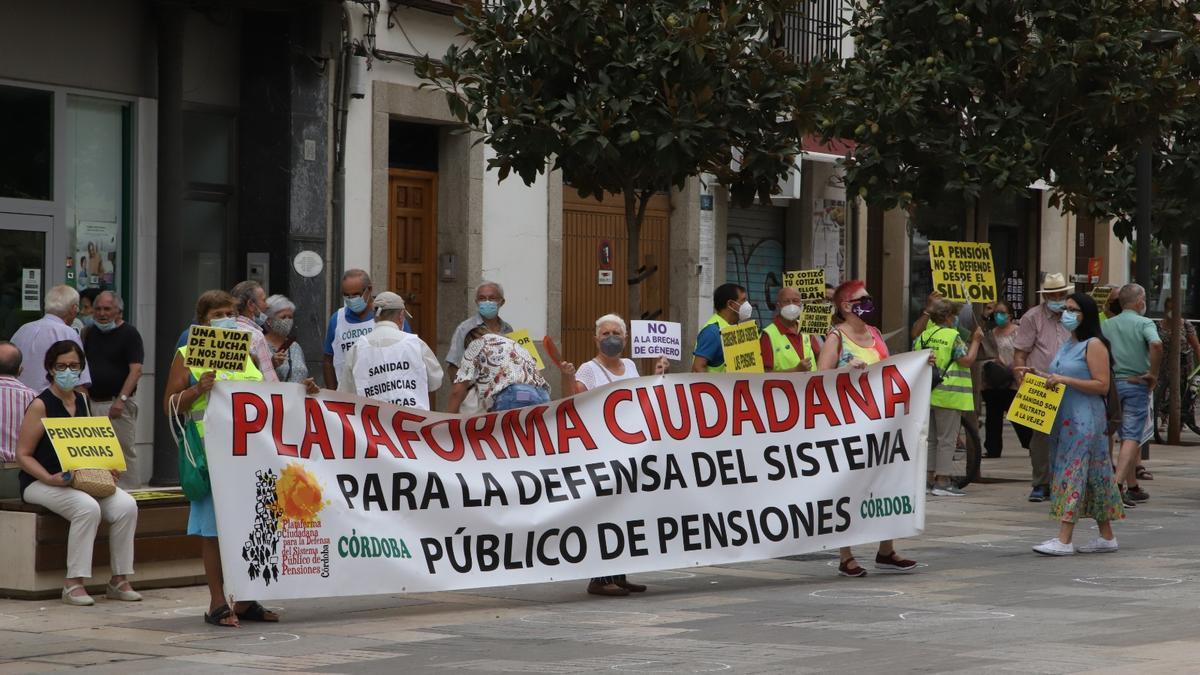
<point>202,518</point>
<point>1135,410</point>
<point>519,396</point>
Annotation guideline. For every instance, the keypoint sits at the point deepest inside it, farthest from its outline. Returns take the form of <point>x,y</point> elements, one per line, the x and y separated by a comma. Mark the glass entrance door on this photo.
<point>24,252</point>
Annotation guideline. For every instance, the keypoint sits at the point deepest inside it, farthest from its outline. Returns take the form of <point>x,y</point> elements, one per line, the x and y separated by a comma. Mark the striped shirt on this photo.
<point>14,399</point>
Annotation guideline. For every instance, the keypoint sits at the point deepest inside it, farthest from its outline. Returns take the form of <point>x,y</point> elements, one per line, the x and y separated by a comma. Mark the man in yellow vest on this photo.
<point>732,307</point>
<point>784,349</point>
<point>953,396</point>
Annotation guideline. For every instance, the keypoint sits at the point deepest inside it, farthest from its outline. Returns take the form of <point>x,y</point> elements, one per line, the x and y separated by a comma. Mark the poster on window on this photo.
<point>95,254</point>
<point>829,238</point>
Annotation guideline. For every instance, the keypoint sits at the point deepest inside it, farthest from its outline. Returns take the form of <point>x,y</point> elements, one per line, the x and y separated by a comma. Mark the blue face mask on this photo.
<point>1001,318</point>
<point>105,327</point>
<point>88,321</point>
<point>356,304</point>
<point>1070,320</point>
<point>489,309</point>
<point>67,379</point>
<point>228,323</point>
<point>1056,306</point>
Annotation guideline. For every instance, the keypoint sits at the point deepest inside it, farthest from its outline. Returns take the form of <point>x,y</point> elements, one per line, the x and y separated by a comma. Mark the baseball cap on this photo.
<point>388,300</point>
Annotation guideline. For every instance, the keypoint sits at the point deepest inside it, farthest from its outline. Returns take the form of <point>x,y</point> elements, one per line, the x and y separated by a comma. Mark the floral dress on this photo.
<point>1082,485</point>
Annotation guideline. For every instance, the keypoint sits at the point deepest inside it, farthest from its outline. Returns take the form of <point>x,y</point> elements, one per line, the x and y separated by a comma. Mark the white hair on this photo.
<point>278,303</point>
<point>480,287</point>
<point>117,301</point>
<point>60,300</point>
<point>611,318</point>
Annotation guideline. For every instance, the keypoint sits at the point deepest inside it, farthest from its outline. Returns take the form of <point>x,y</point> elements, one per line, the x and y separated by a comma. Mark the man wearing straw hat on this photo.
<point>1039,336</point>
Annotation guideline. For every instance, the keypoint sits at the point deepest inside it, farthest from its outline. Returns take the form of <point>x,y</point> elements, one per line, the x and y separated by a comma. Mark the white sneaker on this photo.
<point>946,491</point>
<point>1054,547</point>
<point>1099,545</point>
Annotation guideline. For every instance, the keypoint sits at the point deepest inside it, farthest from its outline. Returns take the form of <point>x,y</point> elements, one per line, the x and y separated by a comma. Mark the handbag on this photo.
<point>98,483</point>
<point>997,375</point>
<point>193,462</point>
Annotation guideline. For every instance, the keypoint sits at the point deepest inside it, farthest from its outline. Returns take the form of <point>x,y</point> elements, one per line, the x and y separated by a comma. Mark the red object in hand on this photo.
<point>552,349</point>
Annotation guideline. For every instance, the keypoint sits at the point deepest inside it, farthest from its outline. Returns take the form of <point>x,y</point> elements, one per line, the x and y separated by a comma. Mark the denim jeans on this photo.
<point>519,396</point>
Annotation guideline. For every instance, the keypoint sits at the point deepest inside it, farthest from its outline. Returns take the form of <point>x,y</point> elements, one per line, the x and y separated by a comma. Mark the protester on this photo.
<point>855,343</point>
<point>1083,484</point>
<point>187,391</point>
<point>783,348</point>
<point>608,367</point>
<point>999,381</point>
<point>252,314</point>
<point>390,365</point>
<point>731,307</point>
<point>489,298</point>
<point>33,339</point>
<point>1137,354</point>
<point>502,372</point>
<point>281,316</point>
<point>354,319</point>
<point>1189,346</point>
<point>954,394</point>
<point>87,298</point>
<point>114,350</point>
<point>43,482</point>
<point>1039,336</point>
<point>14,399</point>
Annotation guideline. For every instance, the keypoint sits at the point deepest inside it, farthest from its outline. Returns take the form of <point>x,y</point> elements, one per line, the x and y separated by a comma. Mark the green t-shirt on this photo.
<point>1130,335</point>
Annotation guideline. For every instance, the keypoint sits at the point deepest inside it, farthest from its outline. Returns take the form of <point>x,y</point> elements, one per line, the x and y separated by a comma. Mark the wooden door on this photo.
<point>587,226</point>
<point>412,247</point>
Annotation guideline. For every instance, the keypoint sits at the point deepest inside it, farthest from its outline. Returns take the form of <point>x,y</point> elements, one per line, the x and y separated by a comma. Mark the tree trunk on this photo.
<point>633,230</point>
<point>1176,346</point>
<point>983,216</point>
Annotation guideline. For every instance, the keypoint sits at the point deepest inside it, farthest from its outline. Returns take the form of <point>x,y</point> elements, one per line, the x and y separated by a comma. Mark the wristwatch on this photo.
<point>123,398</point>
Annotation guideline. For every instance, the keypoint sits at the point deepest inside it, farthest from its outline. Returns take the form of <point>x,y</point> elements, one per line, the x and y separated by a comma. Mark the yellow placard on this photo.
<point>1036,405</point>
<point>1101,294</point>
<point>963,271</point>
<point>211,348</point>
<point>810,283</point>
<point>816,318</point>
<point>522,338</point>
<point>740,346</point>
<point>84,443</point>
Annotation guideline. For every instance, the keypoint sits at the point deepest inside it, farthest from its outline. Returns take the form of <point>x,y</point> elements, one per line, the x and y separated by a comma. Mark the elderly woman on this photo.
<point>607,367</point>
<point>187,394</point>
<point>281,314</point>
<point>43,482</point>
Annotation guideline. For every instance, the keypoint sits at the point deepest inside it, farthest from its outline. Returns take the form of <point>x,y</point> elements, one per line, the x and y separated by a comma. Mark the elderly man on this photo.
<point>389,364</point>
<point>353,320</point>
<point>1137,353</point>
<point>1039,336</point>
<point>34,339</point>
<point>730,306</point>
<point>115,353</point>
<point>14,399</point>
<point>252,314</point>
<point>783,348</point>
<point>489,298</point>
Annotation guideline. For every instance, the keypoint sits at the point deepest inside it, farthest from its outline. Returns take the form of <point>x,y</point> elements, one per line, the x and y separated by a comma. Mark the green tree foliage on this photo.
<point>981,98</point>
<point>631,97</point>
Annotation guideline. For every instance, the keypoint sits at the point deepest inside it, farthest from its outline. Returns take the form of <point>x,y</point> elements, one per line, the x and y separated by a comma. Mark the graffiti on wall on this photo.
<point>756,263</point>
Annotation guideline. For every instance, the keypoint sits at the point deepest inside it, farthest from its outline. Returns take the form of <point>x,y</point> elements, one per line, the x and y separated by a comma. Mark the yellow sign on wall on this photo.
<point>963,271</point>
<point>211,348</point>
<point>84,443</point>
<point>810,283</point>
<point>740,346</point>
<point>1036,405</point>
<point>522,338</point>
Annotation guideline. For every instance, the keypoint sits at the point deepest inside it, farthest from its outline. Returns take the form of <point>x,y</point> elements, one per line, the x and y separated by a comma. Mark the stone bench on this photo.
<point>34,556</point>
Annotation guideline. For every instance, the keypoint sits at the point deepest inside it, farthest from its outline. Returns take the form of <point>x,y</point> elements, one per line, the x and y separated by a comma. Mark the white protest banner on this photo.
<point>337,495</point>
<point>652,339</point>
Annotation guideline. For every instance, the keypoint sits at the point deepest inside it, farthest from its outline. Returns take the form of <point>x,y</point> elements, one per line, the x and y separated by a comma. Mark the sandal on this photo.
<point>845,570</point>
<point>256,612</point>
<point>219,616</point>
<point>1143,474</point>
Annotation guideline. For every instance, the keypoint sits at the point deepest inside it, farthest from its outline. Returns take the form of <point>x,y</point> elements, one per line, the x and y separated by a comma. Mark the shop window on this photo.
<point>97,192</point>
<point>26,143</point>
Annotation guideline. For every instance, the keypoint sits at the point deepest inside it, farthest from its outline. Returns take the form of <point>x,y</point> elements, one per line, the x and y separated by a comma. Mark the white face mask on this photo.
<point>745,311</point>
<point>790,312</point>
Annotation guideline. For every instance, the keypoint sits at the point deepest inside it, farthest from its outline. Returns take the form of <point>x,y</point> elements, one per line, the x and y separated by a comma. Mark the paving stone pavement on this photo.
<point>981,602</point>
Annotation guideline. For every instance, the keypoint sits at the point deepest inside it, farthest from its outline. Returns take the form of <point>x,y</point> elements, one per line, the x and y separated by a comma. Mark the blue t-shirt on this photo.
<point>708,345</point>
<point>351,318</point>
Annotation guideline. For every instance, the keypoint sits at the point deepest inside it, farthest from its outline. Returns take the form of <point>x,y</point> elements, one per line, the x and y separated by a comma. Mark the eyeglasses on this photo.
<point>64,367</point>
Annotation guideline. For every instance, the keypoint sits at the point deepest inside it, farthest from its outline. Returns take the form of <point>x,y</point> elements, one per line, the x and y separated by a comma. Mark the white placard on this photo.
<point>652,339</point>
<point>336,495</point>
<point>308,264</point>
<point>605,278</point>
<point>31,290</point>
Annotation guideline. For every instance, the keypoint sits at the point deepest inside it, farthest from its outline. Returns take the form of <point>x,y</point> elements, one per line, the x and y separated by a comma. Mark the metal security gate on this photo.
<point>754,255</point>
